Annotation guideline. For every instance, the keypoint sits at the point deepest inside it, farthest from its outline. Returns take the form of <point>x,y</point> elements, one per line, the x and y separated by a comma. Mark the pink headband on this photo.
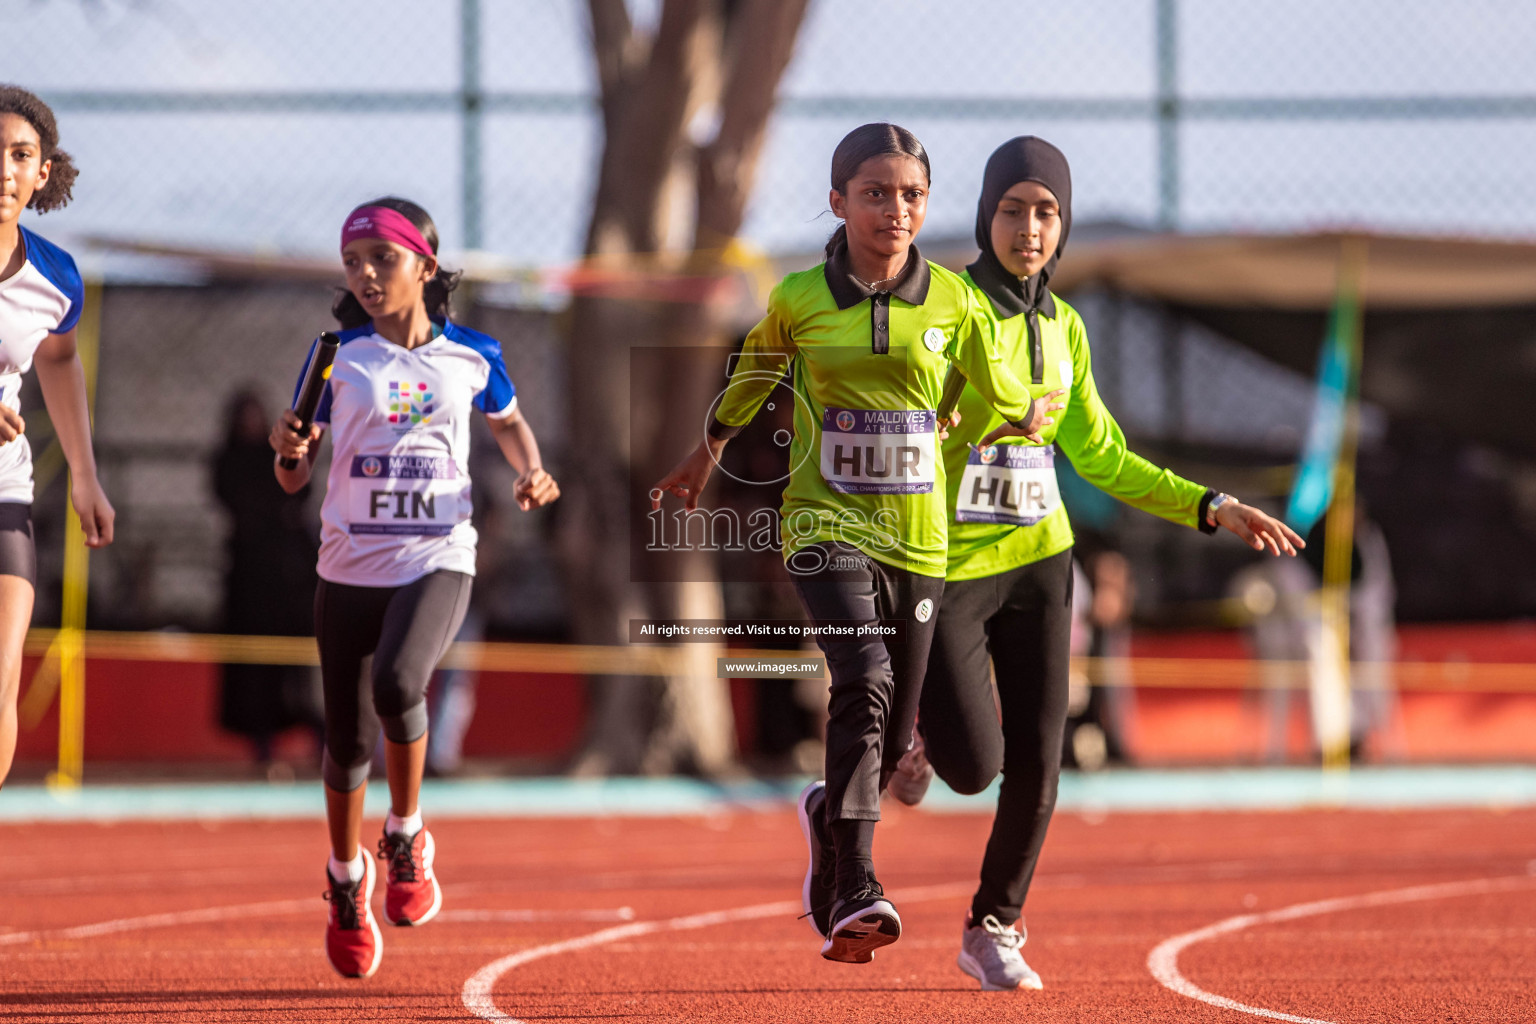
<point>390,225</point>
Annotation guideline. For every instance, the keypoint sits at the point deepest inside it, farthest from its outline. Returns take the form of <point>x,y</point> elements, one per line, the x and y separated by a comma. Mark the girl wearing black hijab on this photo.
<point>1008,589</point>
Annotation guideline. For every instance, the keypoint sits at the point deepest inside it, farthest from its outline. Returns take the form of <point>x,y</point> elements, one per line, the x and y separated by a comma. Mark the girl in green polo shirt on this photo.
<point>1009,568</point>
<point>868,338</point>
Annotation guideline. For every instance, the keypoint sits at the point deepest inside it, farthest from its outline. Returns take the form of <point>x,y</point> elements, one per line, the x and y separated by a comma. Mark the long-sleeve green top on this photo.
<point>867,369</point>
<point>1004,507</point>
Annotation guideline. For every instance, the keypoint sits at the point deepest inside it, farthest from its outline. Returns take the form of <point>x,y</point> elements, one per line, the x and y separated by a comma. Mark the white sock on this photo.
<point>347,871</point>
<point>407,826</point>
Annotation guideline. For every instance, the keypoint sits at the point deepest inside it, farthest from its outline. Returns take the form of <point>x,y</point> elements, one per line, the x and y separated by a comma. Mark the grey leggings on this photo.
<point>406,630</point>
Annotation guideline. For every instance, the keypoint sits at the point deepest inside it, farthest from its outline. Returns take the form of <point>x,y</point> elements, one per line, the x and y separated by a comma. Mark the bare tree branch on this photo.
<point>652,117</point>
<point>613,43</point>
<point>761,42</point>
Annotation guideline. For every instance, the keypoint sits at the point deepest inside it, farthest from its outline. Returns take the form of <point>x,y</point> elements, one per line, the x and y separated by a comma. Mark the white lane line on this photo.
<point>479,990</point>
<point>128,924</point>
<point>527,916</point>
<point>120,883</point>
<point>279,908</point>
<point>1163,961</point>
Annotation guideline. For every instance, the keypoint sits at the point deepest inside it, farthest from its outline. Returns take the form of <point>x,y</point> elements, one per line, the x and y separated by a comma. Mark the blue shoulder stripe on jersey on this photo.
<point>59,268</point>
<point>499,390</point>
<point>323,413</point>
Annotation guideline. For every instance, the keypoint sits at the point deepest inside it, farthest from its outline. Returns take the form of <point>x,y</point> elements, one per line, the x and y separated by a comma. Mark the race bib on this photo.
<point>404,494</point>
<point>879,451</point>
<point>1008,483</point>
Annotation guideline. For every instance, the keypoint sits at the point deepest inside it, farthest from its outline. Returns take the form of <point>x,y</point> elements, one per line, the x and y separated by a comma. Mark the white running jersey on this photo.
<point>42,298</point>
<point>397,503</point>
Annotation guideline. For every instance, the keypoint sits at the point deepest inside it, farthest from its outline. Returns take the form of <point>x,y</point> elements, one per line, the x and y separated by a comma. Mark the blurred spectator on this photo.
<point>1372,626</point>
<point>269,585</point>
<point>1098,714</point>
<point>1281,598</point>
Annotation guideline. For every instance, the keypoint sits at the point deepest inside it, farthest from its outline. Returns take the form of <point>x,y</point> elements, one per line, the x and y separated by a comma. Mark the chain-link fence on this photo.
<point>248,127</point>
<point>248,130</point>
<point>252,128</point>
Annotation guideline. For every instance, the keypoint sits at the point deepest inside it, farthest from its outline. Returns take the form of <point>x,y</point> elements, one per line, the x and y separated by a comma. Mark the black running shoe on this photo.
<point>817,894</point>
<point>861,923</point>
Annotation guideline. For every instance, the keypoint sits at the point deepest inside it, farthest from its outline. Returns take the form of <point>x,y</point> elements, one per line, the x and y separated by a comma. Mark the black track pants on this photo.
<point>1023,619</point>
<point>407,630</point>
<point>875,682</point>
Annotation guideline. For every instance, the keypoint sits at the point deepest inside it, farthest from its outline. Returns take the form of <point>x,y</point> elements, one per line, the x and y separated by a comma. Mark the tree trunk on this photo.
<point>728,54</point>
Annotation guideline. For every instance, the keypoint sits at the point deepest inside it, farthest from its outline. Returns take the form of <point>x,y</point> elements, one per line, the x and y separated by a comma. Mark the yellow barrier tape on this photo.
<point>577,660</point>
<point>743,255</point>
<point>1248,674</point>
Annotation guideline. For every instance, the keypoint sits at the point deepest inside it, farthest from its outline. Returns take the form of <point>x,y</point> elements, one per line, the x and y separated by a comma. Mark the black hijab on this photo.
<point>1025,158</point>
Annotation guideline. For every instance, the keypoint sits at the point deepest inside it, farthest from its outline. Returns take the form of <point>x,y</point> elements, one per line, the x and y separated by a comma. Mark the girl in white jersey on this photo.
<point>397,551</point>
<point>40,300</point>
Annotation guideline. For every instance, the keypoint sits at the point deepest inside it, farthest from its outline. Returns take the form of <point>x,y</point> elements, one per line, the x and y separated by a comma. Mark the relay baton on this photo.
<point>314,384</point>
<point>954,384</point>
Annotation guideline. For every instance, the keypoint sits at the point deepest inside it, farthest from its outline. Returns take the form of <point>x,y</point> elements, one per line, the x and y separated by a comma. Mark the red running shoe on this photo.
<point>352,939</point>
<point>411,896</point>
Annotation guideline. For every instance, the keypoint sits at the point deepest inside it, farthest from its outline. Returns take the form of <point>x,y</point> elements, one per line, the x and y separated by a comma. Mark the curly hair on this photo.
<point>61,177</point>
<point>436,293</point>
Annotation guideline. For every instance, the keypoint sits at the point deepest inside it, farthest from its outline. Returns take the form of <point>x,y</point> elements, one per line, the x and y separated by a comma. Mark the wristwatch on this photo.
<point>1214,504</point>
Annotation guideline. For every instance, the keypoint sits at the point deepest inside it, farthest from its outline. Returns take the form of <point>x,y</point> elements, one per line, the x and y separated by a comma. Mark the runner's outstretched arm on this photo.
<point>535,487</point>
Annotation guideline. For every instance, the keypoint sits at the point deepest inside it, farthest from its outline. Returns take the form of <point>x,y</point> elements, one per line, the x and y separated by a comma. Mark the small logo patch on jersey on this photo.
<point>924,610</point>
<point>933,339</point>
<point>409,404</point>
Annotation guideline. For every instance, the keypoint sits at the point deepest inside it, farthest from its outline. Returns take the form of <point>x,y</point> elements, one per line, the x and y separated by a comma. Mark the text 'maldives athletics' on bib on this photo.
<point>44,297</point>
<point>403,495</point>
<point>1008,483</point>
<point>869,370</point>
<point>1007,509</point>
<point>397,502</point>
<point>879,451</point>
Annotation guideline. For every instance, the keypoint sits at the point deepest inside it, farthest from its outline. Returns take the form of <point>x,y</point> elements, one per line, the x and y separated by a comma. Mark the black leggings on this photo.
<point>1023,618</point>
<point>18,554</point>
<point>875,682</point>
<point>406,630</point>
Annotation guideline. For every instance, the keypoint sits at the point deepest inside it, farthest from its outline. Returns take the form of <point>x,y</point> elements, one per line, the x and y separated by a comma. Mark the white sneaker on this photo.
<point>989,952</point>
<point>913,774</point>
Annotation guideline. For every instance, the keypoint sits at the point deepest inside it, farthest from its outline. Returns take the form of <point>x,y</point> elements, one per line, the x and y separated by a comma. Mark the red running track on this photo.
<point>219,922</point>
